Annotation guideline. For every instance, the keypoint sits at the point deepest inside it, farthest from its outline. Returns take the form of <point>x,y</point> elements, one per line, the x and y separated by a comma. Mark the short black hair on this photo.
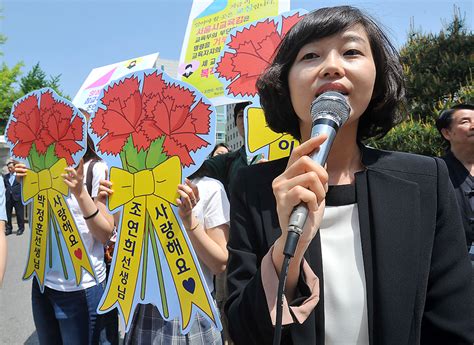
<point>446,117</point>
<point>90,153</point>
<point>238,107</point>
<point>382,112</point>
<point>216,147</point>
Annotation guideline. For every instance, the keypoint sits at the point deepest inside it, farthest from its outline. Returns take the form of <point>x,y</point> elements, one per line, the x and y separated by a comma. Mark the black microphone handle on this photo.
<point>300,213</point>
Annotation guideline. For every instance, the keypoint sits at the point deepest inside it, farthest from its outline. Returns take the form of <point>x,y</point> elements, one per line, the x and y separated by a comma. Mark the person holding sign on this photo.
<point>204,210</point>
<point>64,312</point>
<point>225,167</point>
<point>381,257</point>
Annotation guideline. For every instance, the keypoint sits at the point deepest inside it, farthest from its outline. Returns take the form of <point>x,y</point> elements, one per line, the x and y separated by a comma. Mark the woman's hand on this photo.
<point>20,170</point>
<point>105,189</point>
<point>189,197</point>
<point>75,179</point>
<point>303,181</point>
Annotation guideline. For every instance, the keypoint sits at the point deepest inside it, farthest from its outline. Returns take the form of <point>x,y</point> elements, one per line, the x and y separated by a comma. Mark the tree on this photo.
<point>36,79</point>
<point>8,92</point>
<point>437,66</point>
<point>438,75</point>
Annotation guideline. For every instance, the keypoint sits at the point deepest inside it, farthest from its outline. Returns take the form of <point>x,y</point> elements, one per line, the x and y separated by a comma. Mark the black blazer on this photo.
<point>418,275</point>
<point>12,192</point>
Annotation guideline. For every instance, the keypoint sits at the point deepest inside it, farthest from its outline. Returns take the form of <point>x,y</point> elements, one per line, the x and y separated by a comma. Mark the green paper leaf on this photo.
<point>50,158</point>
<point>132,160</point>
<point>155,154</point>
<point>35,159</point>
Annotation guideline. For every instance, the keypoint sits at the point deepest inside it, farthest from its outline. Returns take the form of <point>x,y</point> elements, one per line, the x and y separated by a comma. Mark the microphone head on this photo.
<point>332,105</point>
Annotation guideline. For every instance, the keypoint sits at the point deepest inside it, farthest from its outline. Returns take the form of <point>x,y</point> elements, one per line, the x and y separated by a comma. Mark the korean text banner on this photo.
<point>47,133</point>
<point>152,131</point>
<point>208,27</point>
<point>247,52</point>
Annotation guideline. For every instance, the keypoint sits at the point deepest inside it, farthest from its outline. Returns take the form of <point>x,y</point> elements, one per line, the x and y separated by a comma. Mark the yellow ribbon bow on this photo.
<point>146,197</point>
<point>260,135</point>
<point>50,212</point>
<point>162,182</point>
<point>34,182</point>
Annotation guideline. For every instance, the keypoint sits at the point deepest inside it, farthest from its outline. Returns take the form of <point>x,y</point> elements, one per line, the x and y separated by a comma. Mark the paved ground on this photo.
<point>16,318</point>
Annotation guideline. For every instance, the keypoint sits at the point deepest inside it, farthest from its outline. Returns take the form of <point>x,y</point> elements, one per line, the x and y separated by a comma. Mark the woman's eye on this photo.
<point>309,56</point>
<point>352,52</point>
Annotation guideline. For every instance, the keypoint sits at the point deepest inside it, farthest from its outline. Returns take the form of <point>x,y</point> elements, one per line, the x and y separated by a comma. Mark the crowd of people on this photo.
<point>382,257</point>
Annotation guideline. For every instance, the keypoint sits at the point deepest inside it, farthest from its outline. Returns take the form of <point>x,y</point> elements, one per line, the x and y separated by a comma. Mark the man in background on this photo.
<point>456,125</point>
<point>13,200</point>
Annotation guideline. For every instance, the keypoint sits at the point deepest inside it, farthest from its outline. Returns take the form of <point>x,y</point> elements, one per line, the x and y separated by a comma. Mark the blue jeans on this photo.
<point>67,317</point>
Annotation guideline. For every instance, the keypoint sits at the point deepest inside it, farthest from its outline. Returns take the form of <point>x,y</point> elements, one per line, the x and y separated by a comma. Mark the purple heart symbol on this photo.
<point>189,285</point>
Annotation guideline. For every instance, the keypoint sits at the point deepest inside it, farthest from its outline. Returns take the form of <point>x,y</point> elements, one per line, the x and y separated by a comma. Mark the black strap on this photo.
<point>89,176</point>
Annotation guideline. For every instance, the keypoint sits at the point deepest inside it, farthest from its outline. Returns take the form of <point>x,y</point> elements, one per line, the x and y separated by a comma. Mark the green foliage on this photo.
<point>436,66</point>
<point>12,89</point>
<point>8,92</point>
<point>438,75</point>
<point>36,79</point>
<point>413,136</point>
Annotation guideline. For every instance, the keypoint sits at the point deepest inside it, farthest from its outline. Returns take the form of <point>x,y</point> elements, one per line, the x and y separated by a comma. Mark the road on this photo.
<point>16,317</point>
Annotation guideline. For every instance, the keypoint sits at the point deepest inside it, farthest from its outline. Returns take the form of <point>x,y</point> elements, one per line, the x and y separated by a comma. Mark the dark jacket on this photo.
<point>418,276</point>
<point>458,174</point>
<point>225,167</point>
<point>12,192</point>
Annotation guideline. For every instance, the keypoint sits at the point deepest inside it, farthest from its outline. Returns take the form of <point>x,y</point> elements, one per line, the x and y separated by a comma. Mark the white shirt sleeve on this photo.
<point>3,211</point>
<point>216,206</point>
<point>99,173</point>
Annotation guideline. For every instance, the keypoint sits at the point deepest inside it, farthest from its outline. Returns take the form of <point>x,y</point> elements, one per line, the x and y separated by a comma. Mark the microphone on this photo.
<point>329,111</point>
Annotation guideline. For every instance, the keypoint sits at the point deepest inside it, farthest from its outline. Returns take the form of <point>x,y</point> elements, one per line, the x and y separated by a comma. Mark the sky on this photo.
<point>72,37</point>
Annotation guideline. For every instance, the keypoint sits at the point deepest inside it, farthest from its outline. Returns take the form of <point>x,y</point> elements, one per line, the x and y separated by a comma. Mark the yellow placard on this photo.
<point>48,189</point>
<point>260,136</point>
<point>208,34</point>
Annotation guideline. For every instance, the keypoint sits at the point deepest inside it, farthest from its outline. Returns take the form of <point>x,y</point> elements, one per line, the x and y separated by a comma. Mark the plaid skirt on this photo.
<point>148,327</point>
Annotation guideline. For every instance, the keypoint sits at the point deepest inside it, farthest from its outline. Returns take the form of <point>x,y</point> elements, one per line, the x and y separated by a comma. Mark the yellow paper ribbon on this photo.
<point>186,278</point>
<point>48,189</point>
<point>260,135</point>
<point>149,194</point>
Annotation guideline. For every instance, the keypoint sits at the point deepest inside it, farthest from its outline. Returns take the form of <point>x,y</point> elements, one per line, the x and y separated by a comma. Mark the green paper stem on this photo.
<point>161,284</point>
<point>50,246</point>
<point>58,240</point>
<point>145,258</point>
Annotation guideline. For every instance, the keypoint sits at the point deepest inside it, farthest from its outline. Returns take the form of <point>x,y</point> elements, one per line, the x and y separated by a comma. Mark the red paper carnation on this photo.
<point>122,116</point>
<point>48,124</point>
<point>170,108</point>
<point>159,109</point>
<point>253,50</point>
<point>59,129</point>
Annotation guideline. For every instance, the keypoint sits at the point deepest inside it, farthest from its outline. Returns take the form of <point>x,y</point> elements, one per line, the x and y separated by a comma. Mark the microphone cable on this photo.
<point>329,111</point>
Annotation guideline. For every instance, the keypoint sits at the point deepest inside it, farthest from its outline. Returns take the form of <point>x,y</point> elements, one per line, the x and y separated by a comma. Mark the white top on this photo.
<point>212,210</point>
<point>345,293</point>
<point>55,279</point>
<point>3,211</point>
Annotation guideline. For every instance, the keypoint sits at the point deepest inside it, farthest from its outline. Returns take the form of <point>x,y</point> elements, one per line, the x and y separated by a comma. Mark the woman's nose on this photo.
<point>332,66</point>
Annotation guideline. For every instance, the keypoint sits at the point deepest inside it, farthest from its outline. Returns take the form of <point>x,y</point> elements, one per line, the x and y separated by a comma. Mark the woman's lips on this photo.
<point>332,87</point>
